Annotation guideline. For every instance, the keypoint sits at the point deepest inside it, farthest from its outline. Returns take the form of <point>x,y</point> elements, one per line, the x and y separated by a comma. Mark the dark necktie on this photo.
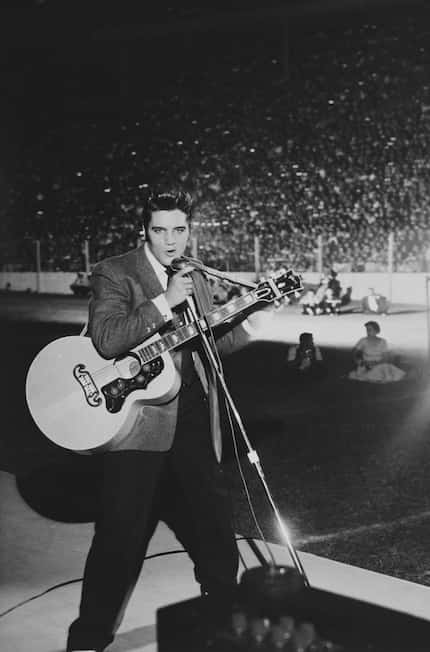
<point>180,318</point>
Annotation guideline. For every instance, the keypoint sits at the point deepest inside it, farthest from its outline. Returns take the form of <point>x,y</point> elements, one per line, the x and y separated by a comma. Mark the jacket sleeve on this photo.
<point>115,324</point>
<point>230,339</point>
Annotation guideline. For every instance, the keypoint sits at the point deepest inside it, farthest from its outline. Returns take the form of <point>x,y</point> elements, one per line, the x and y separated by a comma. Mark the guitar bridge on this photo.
<point>117,391</point>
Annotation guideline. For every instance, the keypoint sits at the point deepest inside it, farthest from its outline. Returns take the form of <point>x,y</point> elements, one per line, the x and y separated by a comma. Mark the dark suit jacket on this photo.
<point>122,315</point>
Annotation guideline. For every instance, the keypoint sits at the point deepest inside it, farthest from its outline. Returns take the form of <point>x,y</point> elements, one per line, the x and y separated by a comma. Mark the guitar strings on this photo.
<point>238,301</point>
<point>223,308</point>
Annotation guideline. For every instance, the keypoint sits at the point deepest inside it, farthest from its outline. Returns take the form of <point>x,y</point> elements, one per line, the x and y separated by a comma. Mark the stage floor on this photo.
<point>37,554</point>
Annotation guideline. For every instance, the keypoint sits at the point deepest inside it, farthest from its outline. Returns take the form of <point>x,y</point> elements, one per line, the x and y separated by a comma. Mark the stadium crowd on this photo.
<point>333,153</point>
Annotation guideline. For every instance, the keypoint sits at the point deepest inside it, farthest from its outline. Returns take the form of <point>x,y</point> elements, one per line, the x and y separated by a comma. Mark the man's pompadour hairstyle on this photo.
<point>167,201</point>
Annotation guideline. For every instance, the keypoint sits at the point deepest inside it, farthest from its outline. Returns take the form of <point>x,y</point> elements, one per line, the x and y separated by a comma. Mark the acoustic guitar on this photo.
<point>84,402</point>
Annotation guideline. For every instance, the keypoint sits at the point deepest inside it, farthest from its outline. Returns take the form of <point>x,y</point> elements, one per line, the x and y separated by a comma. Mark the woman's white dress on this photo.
<point>373,368</point>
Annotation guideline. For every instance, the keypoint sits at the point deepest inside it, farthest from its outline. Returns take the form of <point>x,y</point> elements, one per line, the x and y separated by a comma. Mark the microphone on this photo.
<point>176,265</point>
<point>179,263</point>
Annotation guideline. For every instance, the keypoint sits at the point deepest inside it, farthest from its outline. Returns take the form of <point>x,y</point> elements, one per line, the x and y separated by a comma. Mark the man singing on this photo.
<point>167,467</point>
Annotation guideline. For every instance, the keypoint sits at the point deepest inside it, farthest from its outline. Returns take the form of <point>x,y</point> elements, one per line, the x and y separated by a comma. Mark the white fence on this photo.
<point>398,287</point>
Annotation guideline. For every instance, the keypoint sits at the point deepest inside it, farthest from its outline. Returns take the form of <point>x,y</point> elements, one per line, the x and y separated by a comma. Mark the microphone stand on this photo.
<point>252,454</point>
<point>197,264</point>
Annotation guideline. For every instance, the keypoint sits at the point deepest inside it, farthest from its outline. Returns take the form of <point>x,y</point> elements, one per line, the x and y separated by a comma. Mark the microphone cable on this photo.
<point>181,551</point>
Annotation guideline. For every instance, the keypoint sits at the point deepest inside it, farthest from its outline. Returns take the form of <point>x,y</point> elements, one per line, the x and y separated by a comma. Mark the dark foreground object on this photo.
<point>268,616</point>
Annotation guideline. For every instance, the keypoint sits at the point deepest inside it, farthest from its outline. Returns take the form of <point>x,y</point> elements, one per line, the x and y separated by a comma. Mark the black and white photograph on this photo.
<point>215,316</point>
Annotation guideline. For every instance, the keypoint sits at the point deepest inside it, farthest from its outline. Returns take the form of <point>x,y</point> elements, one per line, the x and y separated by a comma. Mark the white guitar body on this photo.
<point>64,391</point>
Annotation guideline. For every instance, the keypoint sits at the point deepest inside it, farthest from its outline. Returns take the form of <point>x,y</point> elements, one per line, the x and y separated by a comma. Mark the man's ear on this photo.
<point>142,233</point>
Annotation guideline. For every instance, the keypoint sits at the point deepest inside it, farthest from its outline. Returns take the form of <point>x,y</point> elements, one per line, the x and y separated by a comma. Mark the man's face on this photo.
<point>167,235</point>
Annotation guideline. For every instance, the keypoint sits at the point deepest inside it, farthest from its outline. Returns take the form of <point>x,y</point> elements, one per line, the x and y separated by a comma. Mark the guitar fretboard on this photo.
<point>184,333</point>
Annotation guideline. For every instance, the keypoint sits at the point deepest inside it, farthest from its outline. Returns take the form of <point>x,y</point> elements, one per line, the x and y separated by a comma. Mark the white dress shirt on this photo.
<point>160,301</point>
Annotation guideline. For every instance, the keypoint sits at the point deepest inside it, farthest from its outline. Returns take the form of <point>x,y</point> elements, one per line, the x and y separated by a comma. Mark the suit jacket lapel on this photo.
<point>146,274</point>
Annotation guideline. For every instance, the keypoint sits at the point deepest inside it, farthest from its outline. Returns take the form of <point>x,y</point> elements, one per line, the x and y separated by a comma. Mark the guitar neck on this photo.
<point>187,332</point>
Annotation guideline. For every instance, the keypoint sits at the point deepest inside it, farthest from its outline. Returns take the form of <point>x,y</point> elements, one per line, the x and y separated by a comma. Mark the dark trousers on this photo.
<point>184,487</point>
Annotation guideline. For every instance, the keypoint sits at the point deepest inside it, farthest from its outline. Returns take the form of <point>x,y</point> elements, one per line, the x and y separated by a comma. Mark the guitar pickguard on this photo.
<point>117,391</point>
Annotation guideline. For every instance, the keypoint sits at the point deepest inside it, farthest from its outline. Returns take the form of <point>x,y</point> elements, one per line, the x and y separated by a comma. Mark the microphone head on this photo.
<point>183,261</point>
<point>178,263</point>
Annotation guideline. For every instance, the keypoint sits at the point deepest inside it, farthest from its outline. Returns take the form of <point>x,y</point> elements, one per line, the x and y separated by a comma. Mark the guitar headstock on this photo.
<point>279,285</point>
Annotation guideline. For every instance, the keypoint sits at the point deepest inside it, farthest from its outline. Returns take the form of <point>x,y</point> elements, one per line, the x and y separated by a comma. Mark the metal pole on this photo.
<point>38,266</point>
<point>320,255</point>
<point>87,256</point>
<point>194,246</point>
<point>257,257</point>
<point>390,265</point>
<point>428,319</point>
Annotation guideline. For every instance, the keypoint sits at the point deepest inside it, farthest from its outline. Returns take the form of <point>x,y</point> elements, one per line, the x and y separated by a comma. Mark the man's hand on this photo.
<point>180,286</point>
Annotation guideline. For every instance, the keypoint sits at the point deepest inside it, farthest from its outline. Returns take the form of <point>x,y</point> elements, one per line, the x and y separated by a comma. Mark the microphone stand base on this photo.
<point>271,583</point>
